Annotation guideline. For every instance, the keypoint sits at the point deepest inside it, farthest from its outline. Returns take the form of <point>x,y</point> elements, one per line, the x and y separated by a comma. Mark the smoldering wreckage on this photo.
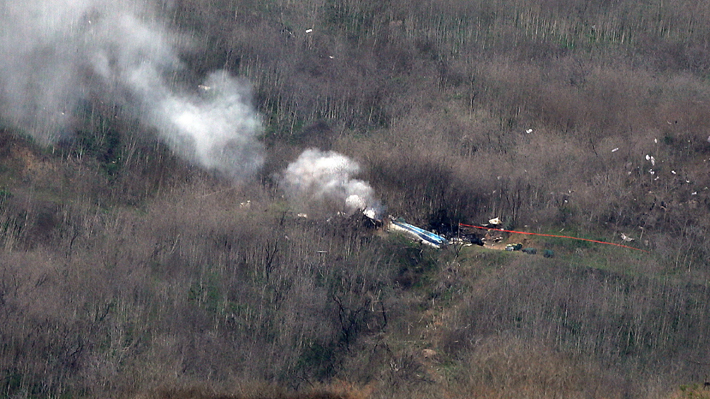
<point>215,126</point>
<point>456,237</point>
<point>431,238</point>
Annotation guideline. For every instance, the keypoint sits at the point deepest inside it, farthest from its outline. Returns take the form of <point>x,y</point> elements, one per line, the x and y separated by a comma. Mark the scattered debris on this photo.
<point>528,250</point>
<point>495,222</point>
<point>461,241</point>
<point>469,238</point>
<point>370,213</point>
<point>529,131</point>
<point>514,247</point>
<point>245,205</point>
<point>626,238</point>
<point>302,215</point>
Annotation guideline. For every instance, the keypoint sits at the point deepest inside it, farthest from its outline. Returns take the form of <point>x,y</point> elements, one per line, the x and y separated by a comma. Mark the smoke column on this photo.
<point>328,176</point>
<point>58,53</point>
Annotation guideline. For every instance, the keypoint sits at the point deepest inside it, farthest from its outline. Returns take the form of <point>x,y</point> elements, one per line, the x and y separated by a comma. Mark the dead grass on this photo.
<point>336,390</point>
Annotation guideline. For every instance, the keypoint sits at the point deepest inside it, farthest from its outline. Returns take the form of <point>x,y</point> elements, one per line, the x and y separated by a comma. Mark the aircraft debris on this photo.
<point>416,233</point>
<point>514,247</point>
<point>626,238</point>
<point>652,159</point>
<point>495,222</point>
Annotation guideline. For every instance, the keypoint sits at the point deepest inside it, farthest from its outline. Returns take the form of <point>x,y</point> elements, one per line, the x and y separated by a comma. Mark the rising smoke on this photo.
<point>318,176</point>
<point>58,54</point>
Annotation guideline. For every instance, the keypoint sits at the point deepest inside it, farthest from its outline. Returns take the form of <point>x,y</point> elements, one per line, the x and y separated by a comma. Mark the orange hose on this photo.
<point>551,235</point>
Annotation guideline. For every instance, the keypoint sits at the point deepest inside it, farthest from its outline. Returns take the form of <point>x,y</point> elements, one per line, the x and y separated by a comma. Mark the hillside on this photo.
<point>181,185</point>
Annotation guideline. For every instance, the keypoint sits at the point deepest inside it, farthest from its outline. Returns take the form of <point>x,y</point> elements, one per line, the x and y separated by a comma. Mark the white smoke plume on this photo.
<point>58,53</point>
<point>318,176</point>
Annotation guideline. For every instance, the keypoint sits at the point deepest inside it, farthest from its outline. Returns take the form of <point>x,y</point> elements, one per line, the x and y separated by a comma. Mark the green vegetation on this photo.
<point>127,272</point>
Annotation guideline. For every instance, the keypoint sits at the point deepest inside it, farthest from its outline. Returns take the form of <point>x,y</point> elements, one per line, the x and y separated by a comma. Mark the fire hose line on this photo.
<point>551,235</point>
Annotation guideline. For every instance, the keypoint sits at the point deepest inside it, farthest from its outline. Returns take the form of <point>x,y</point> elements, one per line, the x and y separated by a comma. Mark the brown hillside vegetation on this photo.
<point>257,392</point>
<point>128,271</point>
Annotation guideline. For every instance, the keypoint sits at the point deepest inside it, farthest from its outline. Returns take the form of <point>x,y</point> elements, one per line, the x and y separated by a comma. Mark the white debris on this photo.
<point>673,171</point>
<point>245,205</point>
<point>303,215</point>
<point>656,140</point>
<point>203,87</point>
<point>652,159</point>
<point>694,193</point>
<point>529,131</point>
<point>309,30</point>
<point>495,222</point>
<point>615,149</point>
<point>626,238</point>
<point>651,171</point>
